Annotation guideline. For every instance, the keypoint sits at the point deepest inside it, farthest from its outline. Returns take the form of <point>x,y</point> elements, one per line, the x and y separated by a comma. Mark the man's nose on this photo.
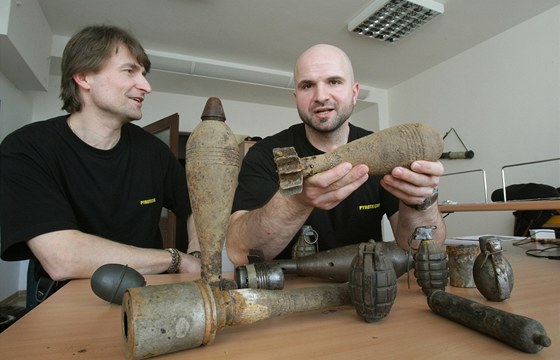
<point>144,84</point>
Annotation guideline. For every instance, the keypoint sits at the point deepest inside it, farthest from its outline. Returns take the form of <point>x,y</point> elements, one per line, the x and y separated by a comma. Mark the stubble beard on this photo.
<point>327,125</point>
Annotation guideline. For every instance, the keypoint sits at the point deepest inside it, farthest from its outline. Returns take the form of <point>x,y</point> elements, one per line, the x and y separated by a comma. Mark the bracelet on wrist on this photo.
<point>427,203</point>
<point>175,264</point>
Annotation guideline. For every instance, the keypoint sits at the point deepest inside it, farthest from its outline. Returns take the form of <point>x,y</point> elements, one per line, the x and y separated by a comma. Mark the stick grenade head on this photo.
<point>373,283</point>
<point>382,151</point>
<point>212,165</point>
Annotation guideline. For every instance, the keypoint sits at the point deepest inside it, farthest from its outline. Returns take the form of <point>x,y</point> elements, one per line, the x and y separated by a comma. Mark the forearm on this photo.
<point>269,228</point>
<point>409,219</point>
<point>70,254</point>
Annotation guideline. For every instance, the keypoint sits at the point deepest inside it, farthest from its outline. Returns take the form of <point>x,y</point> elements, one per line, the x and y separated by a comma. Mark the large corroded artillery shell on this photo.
<point>399,145</point>
<point>515,330</point>
<point>212,165</point>
<point>167,318</point>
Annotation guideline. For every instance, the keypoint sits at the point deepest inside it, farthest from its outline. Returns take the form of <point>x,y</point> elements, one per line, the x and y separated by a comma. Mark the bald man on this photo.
<point>344,204</point>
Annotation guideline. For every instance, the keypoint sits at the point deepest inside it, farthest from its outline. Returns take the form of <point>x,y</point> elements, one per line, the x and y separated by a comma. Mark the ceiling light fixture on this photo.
<point>391,20</point>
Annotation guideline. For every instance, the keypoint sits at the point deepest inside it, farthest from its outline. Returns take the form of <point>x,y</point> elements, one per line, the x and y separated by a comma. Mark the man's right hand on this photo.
<point>328,188</point>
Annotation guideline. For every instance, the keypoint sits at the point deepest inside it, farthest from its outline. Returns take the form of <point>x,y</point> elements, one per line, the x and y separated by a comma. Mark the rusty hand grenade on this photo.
<point>430,262</point>
<point>306,243</point>
<point>373,282</point>
<point>492,273</point>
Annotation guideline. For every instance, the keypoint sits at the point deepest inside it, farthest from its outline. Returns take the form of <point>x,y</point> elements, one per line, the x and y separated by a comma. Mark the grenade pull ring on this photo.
<point>306,243</point>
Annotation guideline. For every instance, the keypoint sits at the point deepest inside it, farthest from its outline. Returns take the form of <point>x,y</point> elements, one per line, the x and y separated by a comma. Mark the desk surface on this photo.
<point>502,206</point>
<point>75,324</point>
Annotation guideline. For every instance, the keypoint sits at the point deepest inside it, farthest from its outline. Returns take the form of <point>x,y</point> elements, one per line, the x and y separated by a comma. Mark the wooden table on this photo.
<point>502,206</point>
<point>75,324</point>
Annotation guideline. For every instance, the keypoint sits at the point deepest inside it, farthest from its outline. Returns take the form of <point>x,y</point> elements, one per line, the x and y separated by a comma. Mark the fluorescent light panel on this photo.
<point>392,20</point>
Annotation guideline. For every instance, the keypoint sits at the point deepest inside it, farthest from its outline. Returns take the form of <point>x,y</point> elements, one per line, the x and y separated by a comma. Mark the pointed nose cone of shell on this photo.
<point>213,110</point>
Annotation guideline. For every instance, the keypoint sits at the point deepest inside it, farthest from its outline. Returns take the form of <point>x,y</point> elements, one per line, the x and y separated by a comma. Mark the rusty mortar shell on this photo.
<point>212,165</point>
<point>167,318</point>
<point>334,265</point>
<point>382,151</point>
<point>518,331</point>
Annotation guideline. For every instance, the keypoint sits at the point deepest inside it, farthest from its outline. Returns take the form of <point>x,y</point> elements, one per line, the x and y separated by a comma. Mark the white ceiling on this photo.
<point>268,35</point>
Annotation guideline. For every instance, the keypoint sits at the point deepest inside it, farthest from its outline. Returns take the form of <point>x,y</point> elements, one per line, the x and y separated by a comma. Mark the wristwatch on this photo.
<point>196,254</point>
<point>427,203</point>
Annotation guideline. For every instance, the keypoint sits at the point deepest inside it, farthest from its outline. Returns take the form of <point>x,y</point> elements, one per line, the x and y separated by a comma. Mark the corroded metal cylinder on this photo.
<point>166,318</point>
<point>212,165</point>
<point>460,260</point>
<point>259,276</point>
<point>373,283</point>
<point>492,272</point>
<point>515,330</point>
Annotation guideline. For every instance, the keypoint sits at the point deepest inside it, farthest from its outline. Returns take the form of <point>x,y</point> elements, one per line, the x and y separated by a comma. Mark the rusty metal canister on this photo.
<point>461,259</point>
<point>212,165</point>
<point>492,272</point>
<point>373,283</point>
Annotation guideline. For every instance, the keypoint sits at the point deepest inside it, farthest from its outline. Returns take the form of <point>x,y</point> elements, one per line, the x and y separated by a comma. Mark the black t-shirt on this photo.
<point>51,180</point>
<point>356,219</point>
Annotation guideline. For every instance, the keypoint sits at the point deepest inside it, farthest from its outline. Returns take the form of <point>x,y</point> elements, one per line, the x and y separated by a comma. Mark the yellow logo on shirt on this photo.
<point>147,201</point>
<point>369,207</point>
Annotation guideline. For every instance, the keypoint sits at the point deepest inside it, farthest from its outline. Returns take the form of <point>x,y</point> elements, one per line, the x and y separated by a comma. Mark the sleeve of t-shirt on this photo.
<point>33,203</point>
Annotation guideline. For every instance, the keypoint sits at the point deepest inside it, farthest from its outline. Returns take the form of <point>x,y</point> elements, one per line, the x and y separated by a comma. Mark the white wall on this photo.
<point>503,99</point>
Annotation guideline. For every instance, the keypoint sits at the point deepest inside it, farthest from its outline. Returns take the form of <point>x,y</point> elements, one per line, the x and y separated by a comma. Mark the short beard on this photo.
<point>335,123</point>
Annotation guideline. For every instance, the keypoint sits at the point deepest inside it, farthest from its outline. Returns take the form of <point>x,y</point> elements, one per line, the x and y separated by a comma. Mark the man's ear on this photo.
<point>356,91</point>
<point>81,80</point>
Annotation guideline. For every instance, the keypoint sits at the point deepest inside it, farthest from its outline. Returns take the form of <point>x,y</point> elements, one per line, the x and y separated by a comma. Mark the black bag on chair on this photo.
<point>528,219</point>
